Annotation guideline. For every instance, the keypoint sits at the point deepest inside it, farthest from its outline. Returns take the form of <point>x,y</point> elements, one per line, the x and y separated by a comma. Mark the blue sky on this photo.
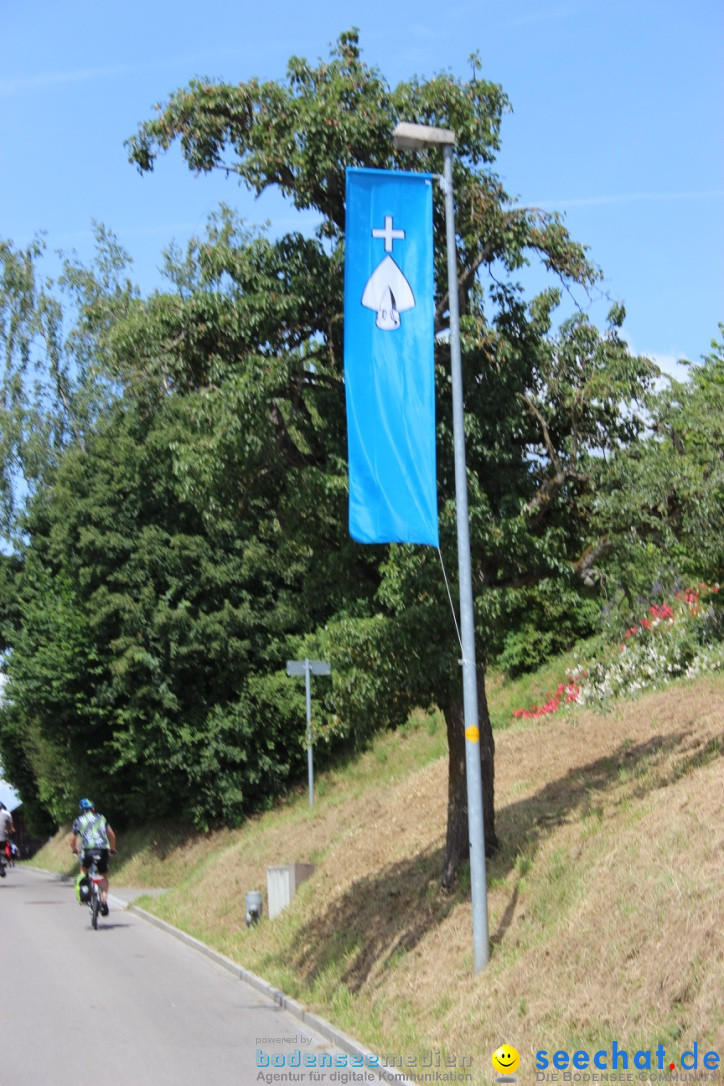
<point>618,122</point>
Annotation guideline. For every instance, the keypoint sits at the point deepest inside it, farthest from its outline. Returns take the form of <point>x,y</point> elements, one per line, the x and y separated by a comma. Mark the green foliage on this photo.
<point>663,498</point>
<point>541,622</point>
<point>134,637</point>
<point>16,750</point>
<point>538,409</point>
<point>300,135</point>
<point>185,458</point>
<point>55,379</point>
<point>368,689</point>
<point>53,659</point>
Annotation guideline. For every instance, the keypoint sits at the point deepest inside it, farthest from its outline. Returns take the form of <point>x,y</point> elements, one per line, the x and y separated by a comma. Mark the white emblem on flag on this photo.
<point>387,291</point>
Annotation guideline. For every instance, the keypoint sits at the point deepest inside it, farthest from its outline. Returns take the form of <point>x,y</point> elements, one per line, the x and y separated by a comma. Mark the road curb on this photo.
<point>331,1033</point>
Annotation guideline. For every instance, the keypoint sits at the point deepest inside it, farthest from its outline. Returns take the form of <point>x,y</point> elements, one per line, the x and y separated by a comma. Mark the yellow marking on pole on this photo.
<point>472,733</point>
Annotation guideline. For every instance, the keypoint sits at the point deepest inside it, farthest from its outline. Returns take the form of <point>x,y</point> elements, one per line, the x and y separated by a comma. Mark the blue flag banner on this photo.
<point>389,368</point>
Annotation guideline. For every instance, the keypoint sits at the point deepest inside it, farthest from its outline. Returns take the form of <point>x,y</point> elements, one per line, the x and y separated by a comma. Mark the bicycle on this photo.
<point>95,898</point>
<point>96,902</point>
<point>8,852</point>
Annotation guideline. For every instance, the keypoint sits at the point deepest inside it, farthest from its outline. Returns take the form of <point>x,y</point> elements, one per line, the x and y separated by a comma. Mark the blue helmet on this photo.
<point>85,805</point>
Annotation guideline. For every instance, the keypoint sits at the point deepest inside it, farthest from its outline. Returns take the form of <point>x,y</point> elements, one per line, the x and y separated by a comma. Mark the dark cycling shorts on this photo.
<point>101,858</point>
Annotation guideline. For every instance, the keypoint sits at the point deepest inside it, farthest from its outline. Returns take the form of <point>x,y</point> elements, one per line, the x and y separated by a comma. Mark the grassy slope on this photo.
<point>604,904</point>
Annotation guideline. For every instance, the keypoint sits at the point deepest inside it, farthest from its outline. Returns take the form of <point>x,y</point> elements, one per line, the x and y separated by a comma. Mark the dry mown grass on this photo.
<point>604,902</point>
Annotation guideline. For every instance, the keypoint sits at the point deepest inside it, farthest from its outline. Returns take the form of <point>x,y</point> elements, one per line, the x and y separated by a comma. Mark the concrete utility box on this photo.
<point>281,884</point>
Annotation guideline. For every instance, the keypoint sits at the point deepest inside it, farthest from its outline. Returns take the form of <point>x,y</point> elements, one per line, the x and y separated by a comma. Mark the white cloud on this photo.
<point>671,365</point>
<point>627,198</point>
<point>21,83</point>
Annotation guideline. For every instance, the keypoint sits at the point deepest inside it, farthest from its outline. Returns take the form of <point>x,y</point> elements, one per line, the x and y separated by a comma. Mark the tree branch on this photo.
<point>583,568</point>
<point>544,427</point>
<point>294,456</point>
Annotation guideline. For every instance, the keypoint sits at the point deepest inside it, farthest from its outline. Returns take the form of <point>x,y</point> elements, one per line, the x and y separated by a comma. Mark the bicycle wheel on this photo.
<point>95,905</point>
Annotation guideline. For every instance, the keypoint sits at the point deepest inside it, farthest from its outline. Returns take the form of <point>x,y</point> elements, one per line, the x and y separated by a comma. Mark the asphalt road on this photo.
<point>129,1004</point>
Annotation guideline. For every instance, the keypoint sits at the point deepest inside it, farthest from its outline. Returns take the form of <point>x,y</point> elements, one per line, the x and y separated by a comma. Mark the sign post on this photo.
<point>306,668</point>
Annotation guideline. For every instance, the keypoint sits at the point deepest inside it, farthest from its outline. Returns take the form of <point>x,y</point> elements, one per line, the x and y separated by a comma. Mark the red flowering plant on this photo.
<point>681,638</point>
<point>565,694</point>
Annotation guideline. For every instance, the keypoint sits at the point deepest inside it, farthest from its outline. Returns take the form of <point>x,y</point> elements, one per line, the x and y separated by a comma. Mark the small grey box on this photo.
<point>281,884</point>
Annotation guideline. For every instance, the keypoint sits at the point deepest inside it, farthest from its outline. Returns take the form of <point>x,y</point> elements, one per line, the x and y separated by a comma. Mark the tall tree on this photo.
<point>55,380</point>
<point>146,645</point>
<point>664,497</point>
<point>539,407</point>
<point>160,577</point>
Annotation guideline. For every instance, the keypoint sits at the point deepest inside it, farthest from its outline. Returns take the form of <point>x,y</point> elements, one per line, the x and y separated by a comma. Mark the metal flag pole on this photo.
<point>414,137</point>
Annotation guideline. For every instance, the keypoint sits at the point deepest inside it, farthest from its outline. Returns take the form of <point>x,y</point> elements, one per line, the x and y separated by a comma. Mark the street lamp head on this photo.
<point>415,137</point>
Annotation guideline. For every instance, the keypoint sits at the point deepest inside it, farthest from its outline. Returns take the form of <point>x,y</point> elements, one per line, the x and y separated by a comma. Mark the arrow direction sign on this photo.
<point>306,668</point>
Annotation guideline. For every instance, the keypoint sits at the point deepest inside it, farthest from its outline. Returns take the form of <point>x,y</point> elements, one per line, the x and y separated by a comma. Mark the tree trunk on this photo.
<point>457,844</point>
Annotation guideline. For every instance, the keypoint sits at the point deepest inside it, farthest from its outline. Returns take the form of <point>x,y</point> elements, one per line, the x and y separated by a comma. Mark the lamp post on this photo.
<point>412,137</point>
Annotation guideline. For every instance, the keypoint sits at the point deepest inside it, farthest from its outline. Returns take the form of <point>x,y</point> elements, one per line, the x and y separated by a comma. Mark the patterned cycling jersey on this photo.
<point>91,827</point>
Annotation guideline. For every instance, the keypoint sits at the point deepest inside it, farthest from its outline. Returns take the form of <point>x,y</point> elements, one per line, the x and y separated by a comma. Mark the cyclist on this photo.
<point>96,836</point>
<point>6,828</point>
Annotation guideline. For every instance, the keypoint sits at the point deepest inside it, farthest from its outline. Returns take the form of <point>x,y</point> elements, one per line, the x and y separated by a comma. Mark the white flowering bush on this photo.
<point>681,639</point>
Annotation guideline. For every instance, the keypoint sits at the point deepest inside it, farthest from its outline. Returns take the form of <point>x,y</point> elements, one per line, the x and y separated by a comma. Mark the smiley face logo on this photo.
<point>505,1059</point>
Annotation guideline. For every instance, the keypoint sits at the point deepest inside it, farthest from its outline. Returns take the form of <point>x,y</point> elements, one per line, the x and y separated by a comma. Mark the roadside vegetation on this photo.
<point>604,900</point>
<point>173,468</point>
<point>174,530</point>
